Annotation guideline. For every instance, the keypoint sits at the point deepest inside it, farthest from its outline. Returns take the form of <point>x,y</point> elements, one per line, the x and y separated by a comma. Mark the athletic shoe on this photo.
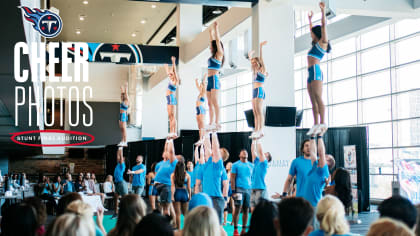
<point>218,127</point>
<point>121,144</point>
<point>209,128</point>
<point>323,128</point>
<point>199,143</point>
<point>253,135</point>
<point>125,144</point>
<point>236,233</point>
<point>312,130</point>
<point>260,134</point>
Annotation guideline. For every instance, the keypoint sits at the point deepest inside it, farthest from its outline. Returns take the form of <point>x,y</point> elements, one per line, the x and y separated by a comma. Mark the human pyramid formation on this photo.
<point>245,183</point>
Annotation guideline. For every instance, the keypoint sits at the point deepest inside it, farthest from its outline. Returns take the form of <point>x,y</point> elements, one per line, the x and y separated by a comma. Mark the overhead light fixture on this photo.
<point>133,35</point>
<point>173,38</point>
<point>78,31</point>
<point>85,2</point>
<point>82,17</point>
<point>143,21</point>
<point>153,6</point>
<point>217,12</point>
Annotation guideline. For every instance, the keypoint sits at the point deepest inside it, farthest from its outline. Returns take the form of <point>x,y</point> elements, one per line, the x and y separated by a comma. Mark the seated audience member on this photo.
<point>389,227</point>
<point>341,188</point>
<point>399,208</point>
<point>262,219</point>
<point>202,220</point>
<point>90,186</point>
<point>57,189</point>
<point>332,217</point>
<point>154,224</point>
<point>418,221</point>
<point>41,214</point>
<point>295,216</point>
<point>200,199</point>
<point>19,219</point>
<point>80,208</point>
<point>79,185</point>
<point>68,185</point>
<point>97,190</point>
<point>132,210</point>
<point>108,186</point>
<point>65,201</point>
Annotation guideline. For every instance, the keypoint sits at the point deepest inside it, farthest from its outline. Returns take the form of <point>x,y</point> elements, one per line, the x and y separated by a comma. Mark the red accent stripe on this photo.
<point>52,131</point>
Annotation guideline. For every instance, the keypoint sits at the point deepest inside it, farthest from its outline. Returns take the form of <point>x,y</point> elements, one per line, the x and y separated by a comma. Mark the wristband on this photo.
<point>319,136</point>
<point>225,199</point>
<point>233,191</point>
<point>284,194</point>
<point>313,137</point>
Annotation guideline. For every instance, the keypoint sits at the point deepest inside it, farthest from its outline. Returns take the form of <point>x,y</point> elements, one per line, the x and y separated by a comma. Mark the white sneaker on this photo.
<point>322,128</point>
<point>312,130</point>
<point>209,127</point>
<point>253,135</point>
<point>260,134</point>
<point>121,144</point>
<point>125,144</point>
<point>199,143</point>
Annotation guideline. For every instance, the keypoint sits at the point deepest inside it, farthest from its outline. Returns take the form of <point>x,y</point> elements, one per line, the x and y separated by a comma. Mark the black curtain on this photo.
<point>334,140</point>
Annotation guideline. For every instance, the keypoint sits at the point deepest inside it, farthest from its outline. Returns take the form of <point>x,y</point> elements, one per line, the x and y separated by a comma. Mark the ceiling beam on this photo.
<point>163,30</point>
<point>378,8</point>
<point>231,3</point>
<point>341,29</point>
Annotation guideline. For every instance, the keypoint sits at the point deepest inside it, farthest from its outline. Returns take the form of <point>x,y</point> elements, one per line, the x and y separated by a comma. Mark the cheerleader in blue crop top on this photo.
<point>174,81</point>
<point>180,190</point>
<point>151,182</point>
<point>320,46</point>
<point>260,74</point>
<point>215,63</point>
<point>199,107</point>
<point>124,115</point>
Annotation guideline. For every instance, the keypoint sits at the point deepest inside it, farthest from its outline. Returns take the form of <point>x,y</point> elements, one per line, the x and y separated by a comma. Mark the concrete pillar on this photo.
<point>274,21</point>
<point>188,27</point>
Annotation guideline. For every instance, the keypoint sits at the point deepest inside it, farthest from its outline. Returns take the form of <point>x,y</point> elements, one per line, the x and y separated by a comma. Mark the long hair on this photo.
<point>72,224</point>
<point>343,187</point>
<point>389,227</point>
<point>153,169</point>
<point>18,219</point>
<point>202,221</point>
<point>214,50</point>
<point>262,219</point>
<point>179,174</point>
<point>132,210</point>
<point>331,215</point>
<point>318,33</point>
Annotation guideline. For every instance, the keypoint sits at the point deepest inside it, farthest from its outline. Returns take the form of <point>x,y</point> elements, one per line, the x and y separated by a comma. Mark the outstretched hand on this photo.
<point>310,14</point>
<point>263,43</point>
<point>322,5</point>
<point>216,24</point>
<point>250,54</point>
<point>173,59</point>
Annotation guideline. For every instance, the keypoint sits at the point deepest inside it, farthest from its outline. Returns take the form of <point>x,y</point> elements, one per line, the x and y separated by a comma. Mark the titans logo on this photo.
<point>48,24</point>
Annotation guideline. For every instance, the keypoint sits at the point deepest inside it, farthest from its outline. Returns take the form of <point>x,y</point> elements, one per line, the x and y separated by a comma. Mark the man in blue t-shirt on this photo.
<point>241,188</point>
<point>260,160</point>
<point>318,175</point>
<point>120,184</point>
<point>212,176</point>
<point>139,176</point>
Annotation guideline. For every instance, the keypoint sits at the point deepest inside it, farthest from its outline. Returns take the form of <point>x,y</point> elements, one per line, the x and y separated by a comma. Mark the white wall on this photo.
<point>155,116</point>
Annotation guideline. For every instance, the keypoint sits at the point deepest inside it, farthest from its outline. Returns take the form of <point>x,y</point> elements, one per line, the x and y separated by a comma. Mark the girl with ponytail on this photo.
<point>331,215</point>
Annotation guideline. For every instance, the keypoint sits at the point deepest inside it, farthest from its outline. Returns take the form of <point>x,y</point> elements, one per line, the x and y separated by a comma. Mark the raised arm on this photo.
<point>171,150</point>
<point>196,155</point>
<point>261,56</point>
<point>312,148</point>
<point>207,147</point>
<point>177,80</point>
<point>120,155</point>
<point>215,148</point>
<point>321,152</point>
<point>260,152</point>
<point>254,149</point>
<point>197,85</point>
<point>310,15</point>
<point>203,158</point>
<point>324,38</point>
<point>217,38</point>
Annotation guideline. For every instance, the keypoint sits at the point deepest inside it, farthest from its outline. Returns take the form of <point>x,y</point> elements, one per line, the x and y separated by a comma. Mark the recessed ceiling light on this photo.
<point>143,21</point>
<point>82,17</point>
<point>78,32</point>
<point>153,6</point>
<point>85,2</point>
<point>217,12</point>
<point>133,35</point>
<point>173,38</point>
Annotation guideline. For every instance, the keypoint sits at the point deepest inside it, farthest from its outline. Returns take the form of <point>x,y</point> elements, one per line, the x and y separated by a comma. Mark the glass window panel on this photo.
<point>380,161</point>
<point>407,105</point>
<point>375,84</point>
<point>308,119</point>
<point>344,114</point>
<point>228,82</point>
<point>407,132</point>
<point>228,97</point>
<point>306,100</point>
<point>380,186</point>
<point>298,79</point>
<point>343,68</point>
<point>228,113</point>
<point>244,93</point>
<point>343,48</point>
<point>407,50</point>
<point>407,77</point>
<point>242,126</point>
<point>406,153</point>
<point>298,99</point>
<point>241,108</point>
<point>406,27</point>
<point>229,127</point>
<point>375,59</point>
<point>380,135</point>
<point>376,109</point>
<point>343,91</point>
<point>298,62</point>
<point>244,78</point>
<point>375,37</point>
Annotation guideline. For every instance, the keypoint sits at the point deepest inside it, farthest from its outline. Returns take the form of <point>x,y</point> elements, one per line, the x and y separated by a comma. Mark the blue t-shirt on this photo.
<point>320,232</point>
<point>118,172</point>
<point>258,175</point>
<point>300,167</point>
<point>69,187</point>
<point>58,187</point>
<point>192,178</point>
<point>197,172</point>
<point>158,166</point>
<point>211,176</point>
<point>139,179</point>
<point>243,171</point>
<point>163,175</point>
<point>315,183</point>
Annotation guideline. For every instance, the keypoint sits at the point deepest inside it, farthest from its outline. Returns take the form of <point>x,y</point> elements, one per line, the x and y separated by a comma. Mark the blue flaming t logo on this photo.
<point>48,24</point>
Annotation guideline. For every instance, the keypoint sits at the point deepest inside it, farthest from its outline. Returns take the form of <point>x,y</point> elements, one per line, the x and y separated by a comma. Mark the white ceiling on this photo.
<point>110,21</point>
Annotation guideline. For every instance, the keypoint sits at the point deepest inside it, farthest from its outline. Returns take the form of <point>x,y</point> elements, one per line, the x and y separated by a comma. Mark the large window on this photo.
<point>372,80</point>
